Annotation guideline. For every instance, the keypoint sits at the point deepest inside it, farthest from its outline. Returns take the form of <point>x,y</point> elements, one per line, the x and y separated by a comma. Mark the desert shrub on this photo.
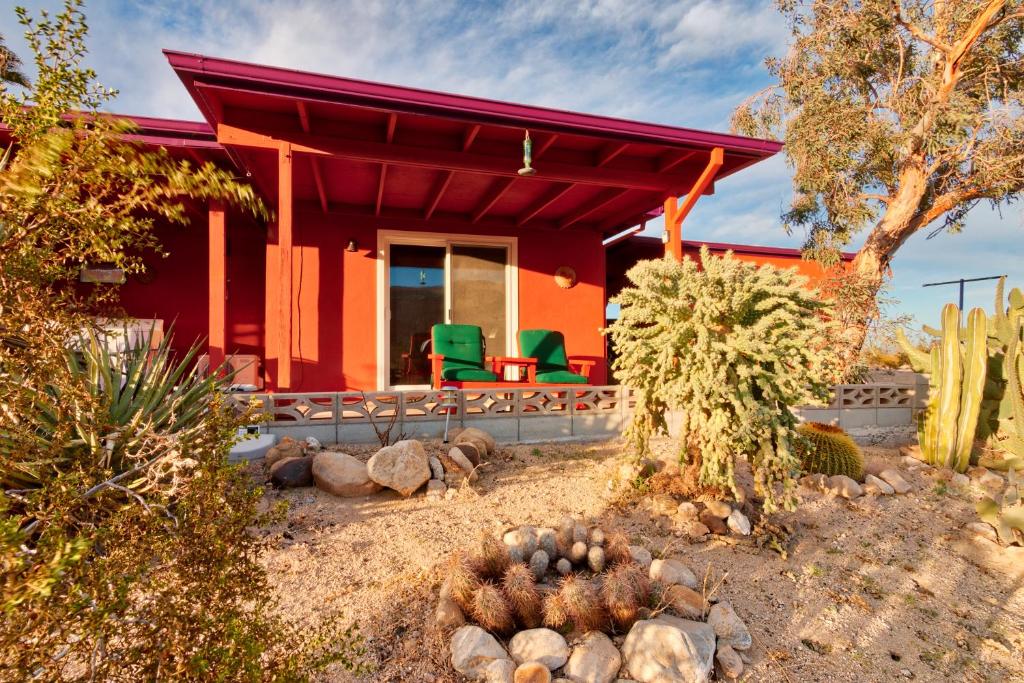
<point>731,346</point>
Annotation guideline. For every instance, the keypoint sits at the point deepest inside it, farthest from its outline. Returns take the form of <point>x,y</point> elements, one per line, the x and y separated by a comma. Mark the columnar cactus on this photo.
<point>957,371</point>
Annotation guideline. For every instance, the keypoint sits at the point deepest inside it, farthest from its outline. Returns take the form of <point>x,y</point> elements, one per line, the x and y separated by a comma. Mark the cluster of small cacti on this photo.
<point>957,367</point>
<point>501,585</point>
<point>1005,512</point>
<point>827,449</point>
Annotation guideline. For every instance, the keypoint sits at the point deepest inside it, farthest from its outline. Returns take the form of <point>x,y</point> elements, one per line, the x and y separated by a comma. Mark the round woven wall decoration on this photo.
<point>565,277</point>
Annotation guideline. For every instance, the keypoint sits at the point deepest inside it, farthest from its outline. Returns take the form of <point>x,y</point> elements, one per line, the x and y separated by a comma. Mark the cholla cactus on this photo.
<point>731,346</point>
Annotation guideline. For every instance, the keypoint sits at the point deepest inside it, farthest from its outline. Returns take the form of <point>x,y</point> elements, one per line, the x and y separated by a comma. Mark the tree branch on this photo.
<point>917,32</point>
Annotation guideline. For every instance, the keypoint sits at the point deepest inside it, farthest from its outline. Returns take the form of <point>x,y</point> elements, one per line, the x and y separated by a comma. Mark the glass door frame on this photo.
<point>387,238</point>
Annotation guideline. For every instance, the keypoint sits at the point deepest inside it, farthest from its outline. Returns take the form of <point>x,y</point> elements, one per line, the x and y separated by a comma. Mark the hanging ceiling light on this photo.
<point>527,170</point>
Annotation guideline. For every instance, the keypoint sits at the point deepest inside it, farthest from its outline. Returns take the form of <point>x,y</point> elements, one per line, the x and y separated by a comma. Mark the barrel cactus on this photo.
<point>827,449</point>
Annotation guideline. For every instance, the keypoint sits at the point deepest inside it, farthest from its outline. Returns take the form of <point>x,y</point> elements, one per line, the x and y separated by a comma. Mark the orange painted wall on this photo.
<point>810,269</point>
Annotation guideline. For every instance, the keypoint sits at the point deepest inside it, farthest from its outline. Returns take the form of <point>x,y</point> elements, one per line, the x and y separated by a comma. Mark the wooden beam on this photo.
<point>392,125</point>
<point>496,192</point>
<point>544,146</point>
<point>675,215</point>
<point>303,115</point>
<point>448,159</point>
<point>544,202</point>
<point>609,152</point>
<point>470,136</point>
<point>412,219</point>
<point>284,284</point>
<point>314,162</point>
<point>380,186</point>
<point>598,202</point>
<point>218,287</point>
<point>439,189</point>
<point>670,161</point>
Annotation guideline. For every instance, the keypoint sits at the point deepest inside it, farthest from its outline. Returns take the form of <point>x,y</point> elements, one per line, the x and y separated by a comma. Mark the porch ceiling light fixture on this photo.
<point>527,169</point>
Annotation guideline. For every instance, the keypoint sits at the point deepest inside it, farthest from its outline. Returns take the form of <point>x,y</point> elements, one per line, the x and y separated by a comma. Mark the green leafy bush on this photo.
<point>731,346</point>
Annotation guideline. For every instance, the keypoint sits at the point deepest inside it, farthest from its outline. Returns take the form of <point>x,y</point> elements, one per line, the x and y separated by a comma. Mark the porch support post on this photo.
<point>674,215</point>
<point>218,290</point>
<point>284,245</point>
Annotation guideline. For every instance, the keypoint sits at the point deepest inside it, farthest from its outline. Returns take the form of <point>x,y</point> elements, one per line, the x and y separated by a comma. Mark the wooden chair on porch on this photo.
<point>458,360</point>
<point>553,365</point>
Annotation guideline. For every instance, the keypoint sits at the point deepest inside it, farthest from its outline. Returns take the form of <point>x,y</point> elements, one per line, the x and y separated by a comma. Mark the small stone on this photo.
<point>473,649</point>
<point>286,447</point>
<point>670,572</point>
<point>912,452</point>
<point>696,529</point>
<point>876,486</point>
<point>578,552</point>
<point>897,482</point>
<point>546,541</point>
<point>685,601</point>
<point>539,564</point>
<point>541,645</point>
<point>290,473</point>
<point>474,433</point>
<point>455,462</point>
<point>532,672</point>
<point>911,463</point>
<point>992,481</point>
<point>719,508</point>
<point>714,524</point>
<point>595,659</point>
<point>728,627</point>
<point>499,671</point>
<point>641,555</point>
<point>738,523</point>
<point>563,566</point>
<point>448,614</point>
<point>472,451</point>
<point>436,468</point>
<point>669,649</point>
<point>984,530</point>
<point>729,662</point>
<point>841,485</point>
<point>686,511</point>
<point>596,536</point>
<point>595,559</point>
<point>340,474</point>
<point>436,490</point>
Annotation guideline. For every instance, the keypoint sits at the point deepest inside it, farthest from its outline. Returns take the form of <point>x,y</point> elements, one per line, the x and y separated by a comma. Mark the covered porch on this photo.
<point>397,209</point>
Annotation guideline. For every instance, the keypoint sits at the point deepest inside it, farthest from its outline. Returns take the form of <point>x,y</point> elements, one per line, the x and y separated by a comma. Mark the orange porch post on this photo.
<point>218,289</point>
<point>284,243</point>
<point>675,215</point>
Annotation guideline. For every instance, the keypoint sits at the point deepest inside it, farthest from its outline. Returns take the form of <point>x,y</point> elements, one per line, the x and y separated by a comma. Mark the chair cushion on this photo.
<point>461,345</point>
<point>560,377</point>
<point>468,375</point>
<point>547,346</point>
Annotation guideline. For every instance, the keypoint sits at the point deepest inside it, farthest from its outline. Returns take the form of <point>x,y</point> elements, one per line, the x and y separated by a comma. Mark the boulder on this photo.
<point>714,523</point>
<point>478,434</point>
<point>719,508</point>
<point>539,645</point>
<point>895,480</point>
<point>641,555</point>
<point>472,452</point>
<point>286,447</point>
<point>532,672</point>
<point>729,663</point>
<point>342,475</point>
<point>292,473</point>
<point>686,511</point>
<point>403,467</point>
<point>456,462</point>
<point>738,523</point>
<point>685,601</point>
<point>595,659</point>
<point>875,486</point>
<point>671,572</point>
<point>728,627</point>
<point>436,468</point>
<point>669,650</point>
<point>841,485</point>
<point>473,650</point>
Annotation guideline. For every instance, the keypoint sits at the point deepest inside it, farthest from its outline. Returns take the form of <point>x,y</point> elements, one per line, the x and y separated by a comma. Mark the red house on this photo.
<point>398,208</point>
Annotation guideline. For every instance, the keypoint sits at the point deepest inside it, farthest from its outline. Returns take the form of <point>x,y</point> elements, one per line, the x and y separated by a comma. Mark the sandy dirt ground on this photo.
<point>876,589</point>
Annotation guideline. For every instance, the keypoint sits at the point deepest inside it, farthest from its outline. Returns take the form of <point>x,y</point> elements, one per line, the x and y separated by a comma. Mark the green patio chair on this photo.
<point>553,365</point>
<point>458,355</point>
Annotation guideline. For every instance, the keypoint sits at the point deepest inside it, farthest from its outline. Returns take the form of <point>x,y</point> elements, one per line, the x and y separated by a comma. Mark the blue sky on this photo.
<point>687,62</point>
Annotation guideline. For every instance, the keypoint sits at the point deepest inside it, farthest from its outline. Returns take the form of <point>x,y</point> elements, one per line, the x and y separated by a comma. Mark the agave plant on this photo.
<point>111,403</point>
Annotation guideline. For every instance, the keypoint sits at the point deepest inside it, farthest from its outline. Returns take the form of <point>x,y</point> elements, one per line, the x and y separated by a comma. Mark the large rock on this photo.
<point>719,508</point>
<point>715,524</point>
<point>594,660</point>
<point>842,485</point>
<point>403,467</point>
<point>875,486</point>
<point>641,555</point>
<point>738,523</point>
<point>292,473</point>
<point>729,663</point>
<point>539,645</point>
<point>342,475</point>
<point>669,650</point>
<point>500,671</point>
<point>532,672</point>
<point>287,447</point>
<point>670,572</point>
<point>455,462</point>
<point>685,601</point>
<point>895,480</point>
<point>473,649</point>
<point>472,434</point>
<point>729,628</point>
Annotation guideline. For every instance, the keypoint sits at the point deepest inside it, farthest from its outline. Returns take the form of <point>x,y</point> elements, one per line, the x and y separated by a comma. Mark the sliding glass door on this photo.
<point>441,280</point>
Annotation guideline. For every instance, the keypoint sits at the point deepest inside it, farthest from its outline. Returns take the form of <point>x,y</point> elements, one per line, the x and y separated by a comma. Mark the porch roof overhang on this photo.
<point>372,149</point>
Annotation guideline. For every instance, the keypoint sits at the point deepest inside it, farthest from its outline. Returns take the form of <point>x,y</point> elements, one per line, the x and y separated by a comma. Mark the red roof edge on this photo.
<point>752,249</point>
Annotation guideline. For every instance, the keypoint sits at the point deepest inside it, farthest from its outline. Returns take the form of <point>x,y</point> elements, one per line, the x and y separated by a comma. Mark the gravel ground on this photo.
<point>868,590</point>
